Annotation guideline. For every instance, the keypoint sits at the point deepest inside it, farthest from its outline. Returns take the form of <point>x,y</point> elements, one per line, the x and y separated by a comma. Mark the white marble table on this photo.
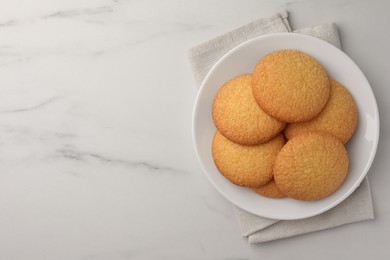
<point>96,155</point>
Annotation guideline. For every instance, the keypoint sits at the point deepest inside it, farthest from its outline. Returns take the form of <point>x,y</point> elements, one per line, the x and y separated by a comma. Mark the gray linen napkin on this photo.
<point>356,207</point>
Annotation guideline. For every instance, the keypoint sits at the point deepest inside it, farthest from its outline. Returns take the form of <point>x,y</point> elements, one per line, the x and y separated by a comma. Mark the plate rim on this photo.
<point>372,96</point>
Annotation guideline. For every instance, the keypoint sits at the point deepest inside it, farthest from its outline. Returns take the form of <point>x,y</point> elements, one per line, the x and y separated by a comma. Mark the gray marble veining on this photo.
<point>96,155</point>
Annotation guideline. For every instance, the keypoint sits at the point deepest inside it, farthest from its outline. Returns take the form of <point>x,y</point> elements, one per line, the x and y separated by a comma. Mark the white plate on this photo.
<point>361,148</point>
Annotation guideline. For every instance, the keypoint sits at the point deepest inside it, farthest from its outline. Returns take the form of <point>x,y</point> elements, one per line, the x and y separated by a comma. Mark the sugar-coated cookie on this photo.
<point>237,116</point>
<point>339,116</point>
<point>269,190</point>
<point>290,85</point>
<point>311,166</point>
<point>249,166</point>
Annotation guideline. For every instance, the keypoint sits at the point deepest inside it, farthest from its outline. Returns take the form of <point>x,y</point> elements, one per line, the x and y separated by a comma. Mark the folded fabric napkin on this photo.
<point>356,207</point>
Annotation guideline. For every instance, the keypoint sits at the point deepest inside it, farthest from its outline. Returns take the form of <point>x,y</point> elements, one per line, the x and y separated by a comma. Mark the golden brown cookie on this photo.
<point>238,117</point>
<point>290,85</point>
<point>311,166</point>
<point>339,116</point>
<point>269,190</point>
<point>249,166</point>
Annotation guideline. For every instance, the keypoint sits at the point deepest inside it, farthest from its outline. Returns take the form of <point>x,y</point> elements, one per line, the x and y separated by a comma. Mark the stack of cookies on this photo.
<point>281,130</point>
